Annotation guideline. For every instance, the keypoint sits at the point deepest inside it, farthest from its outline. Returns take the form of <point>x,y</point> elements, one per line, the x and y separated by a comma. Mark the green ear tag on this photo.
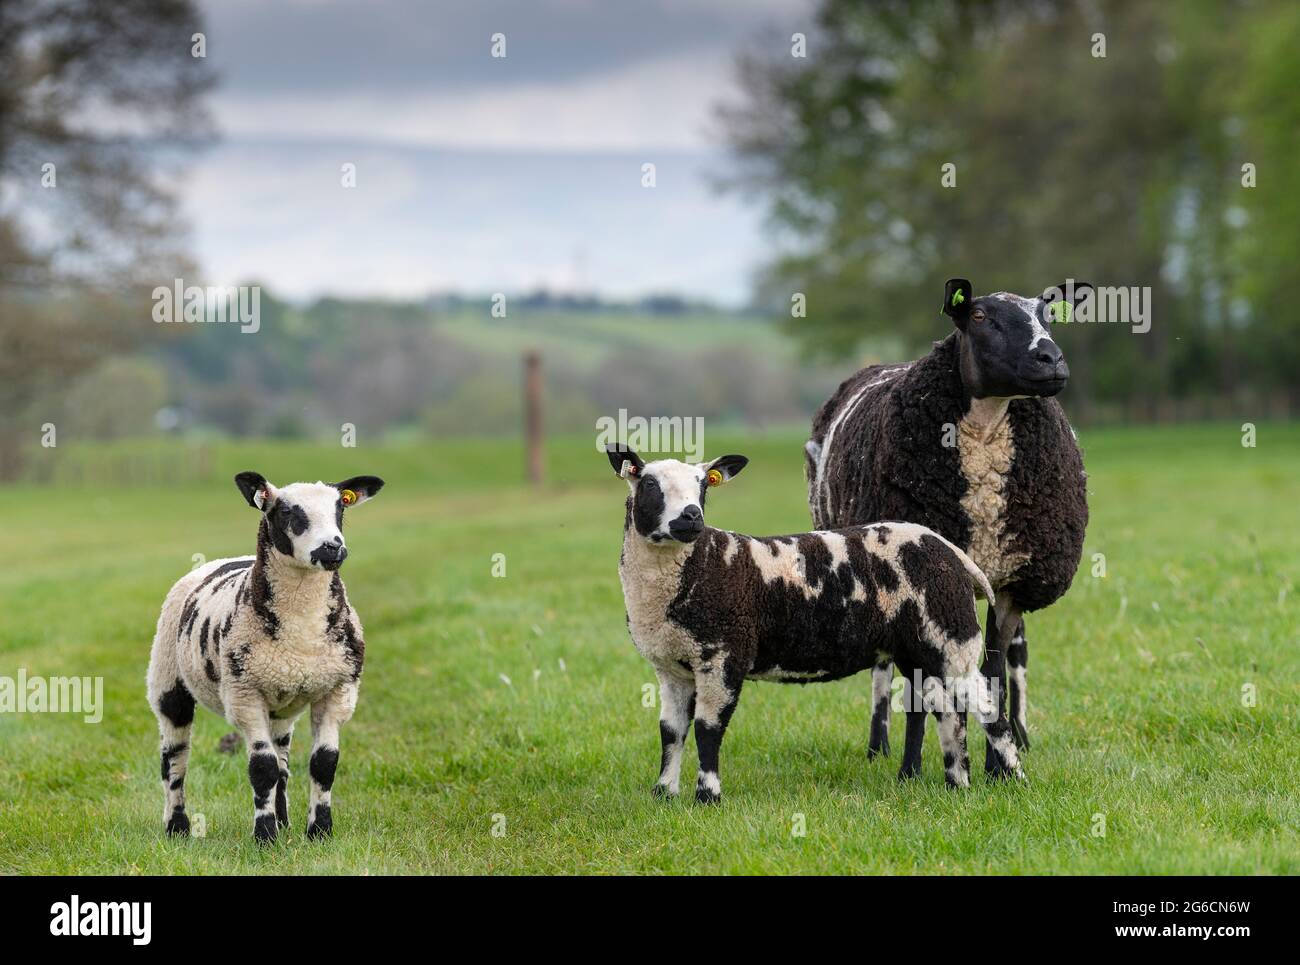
<point>957,298</point>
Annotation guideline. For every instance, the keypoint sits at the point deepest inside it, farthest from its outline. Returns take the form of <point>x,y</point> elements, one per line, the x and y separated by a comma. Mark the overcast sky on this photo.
<point>476,173</point>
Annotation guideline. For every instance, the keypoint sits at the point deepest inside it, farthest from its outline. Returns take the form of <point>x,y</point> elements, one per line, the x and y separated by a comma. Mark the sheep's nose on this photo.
<point>688,525</point>
<point>331,553</point>
<point>1049,353</point>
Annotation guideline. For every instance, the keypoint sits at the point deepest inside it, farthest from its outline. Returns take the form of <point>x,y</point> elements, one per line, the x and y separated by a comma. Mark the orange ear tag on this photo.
<point>714,477</point>
<point>349,497</point>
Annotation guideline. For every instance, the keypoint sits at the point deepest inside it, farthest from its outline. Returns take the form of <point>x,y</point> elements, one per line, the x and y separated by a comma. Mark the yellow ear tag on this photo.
<point>714,477</point>
<point>349,497</point>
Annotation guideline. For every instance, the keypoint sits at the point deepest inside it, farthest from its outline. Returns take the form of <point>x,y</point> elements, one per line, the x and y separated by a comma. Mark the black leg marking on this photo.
<point>322,825</point>
<point>178,823</point>
<point>708,739</point>
<point>263,774</point>
<point>717,691</point>
<point>168,754</point>
<point>177,705</point>
<point>264,828</point>
<point>913,740</point>
<point>323,762</point>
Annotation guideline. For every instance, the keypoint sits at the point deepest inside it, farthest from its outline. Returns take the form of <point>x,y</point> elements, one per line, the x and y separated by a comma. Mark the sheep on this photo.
<point>259,639</point>
<point>711,609</point>
<point>971,442</point>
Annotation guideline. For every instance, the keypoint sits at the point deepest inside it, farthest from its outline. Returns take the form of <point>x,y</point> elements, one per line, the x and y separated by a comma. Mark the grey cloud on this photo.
<point>323,47</point>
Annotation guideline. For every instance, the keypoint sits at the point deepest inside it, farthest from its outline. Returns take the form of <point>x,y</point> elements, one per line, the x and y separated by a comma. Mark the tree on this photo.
<point>94,100</point>
<point>1122,170</point>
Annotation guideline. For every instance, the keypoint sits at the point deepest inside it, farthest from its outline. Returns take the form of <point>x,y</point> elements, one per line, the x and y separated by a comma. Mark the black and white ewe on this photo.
<point>711,609</point>
<point>258,640</point>
<point>970,442</point>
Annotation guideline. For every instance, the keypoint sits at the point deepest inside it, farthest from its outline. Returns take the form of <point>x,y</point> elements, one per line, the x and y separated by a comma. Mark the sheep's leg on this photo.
<point>882,676</point>
<point>1000,757</point>
<point>717,689</point>
<point>952,738</point>
<point>282,732</point>
<point>1017,668</point>
<point>914,737</point>
<point>327,715</point>
<point>175,712</point>
<point>676,708</point>
<point>248,712</point>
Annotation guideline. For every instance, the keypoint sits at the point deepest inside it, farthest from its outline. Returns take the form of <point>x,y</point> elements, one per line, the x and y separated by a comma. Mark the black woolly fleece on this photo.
<point>887,462</point>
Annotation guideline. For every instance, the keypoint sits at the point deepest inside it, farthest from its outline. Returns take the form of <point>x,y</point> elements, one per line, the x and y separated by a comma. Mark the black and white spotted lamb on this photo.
<point>260,639</point>
<point>971,442</point>
<point>711,609</point>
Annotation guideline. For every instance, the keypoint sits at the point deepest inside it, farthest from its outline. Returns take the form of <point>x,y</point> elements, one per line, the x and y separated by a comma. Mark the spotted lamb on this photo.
<point>711,609</point>
<point>259,639</point>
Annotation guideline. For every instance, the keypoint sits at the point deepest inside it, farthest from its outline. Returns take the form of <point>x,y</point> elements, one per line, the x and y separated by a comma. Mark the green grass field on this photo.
<point>515,704</point>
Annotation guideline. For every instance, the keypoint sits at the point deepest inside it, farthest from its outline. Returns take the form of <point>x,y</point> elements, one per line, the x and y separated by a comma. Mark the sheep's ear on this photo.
<point>957,295</point>
<point>259,493</point>
<point>620,454</point>
<point>358,489</point>
<point>1068,296</point>
<point>726,467</point>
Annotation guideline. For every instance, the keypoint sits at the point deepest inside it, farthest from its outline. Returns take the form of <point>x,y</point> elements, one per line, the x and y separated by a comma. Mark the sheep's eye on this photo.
<point>978,315</point>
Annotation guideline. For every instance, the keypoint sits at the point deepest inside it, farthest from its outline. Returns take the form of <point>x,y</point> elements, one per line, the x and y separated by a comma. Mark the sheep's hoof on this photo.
<point>995,769</point>
<point>1020,734</point>
<point>323,825</point>
<point>663,791</point>
<point>178,823</point>
<point>281,808</point>
<point>909,770</point>
<point>264,829</point>
<point>704,796</point>
<point>878,749</point>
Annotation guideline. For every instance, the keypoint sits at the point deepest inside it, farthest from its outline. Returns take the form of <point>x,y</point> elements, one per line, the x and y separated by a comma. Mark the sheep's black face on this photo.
<point>1007,349</point>
<point>303,522</point>
<point>668,495</point>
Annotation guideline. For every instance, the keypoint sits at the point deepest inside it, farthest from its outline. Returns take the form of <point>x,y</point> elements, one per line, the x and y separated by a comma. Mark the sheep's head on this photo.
<point>668,495</point>
<point>1007,350</point>
<point>303,522</point>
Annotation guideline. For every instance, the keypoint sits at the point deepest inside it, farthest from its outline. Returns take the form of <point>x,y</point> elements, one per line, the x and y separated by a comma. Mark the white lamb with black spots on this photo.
<point>259,639</point>
<point>711,609</point>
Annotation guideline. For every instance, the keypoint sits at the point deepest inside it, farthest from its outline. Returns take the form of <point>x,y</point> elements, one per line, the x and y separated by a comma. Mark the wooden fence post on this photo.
<point>533,415</point>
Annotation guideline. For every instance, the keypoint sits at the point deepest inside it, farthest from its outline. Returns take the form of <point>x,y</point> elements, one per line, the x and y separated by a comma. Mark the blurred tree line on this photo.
<point>88,90</point>
<point>392,367</point>
<point>1123,170</point>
